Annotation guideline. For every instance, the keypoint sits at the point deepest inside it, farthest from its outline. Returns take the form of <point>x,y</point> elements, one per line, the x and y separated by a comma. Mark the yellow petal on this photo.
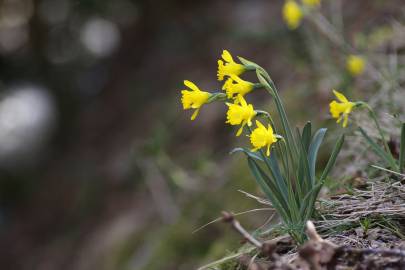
<point>242,101</point>
<point>346,117</point>
<point>191,85</point>
<point>259,124</point>
<point>270,129</point>
<point>220,72</point>
<point>236,78</point>
<point>227,56</point>
<point>340,96</point>
<point>240,130</point>
<point>195,114</point>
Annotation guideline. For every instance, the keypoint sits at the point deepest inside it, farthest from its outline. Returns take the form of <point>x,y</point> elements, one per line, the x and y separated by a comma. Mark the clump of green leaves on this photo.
<point>288,176</point>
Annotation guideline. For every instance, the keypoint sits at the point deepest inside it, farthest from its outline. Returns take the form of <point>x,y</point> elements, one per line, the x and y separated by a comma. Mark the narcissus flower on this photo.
<point>228,67</point>
<point>355,64</point>
<point>292,14</point>
<point>340,110</point>
<point>236,86</point>
<point>193,99</point>
<point>262,137</point>
<point>240,114</point>
<point>311,3</point>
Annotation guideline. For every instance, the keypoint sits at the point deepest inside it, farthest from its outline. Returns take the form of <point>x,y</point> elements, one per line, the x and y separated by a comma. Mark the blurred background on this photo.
<point>100,168</point>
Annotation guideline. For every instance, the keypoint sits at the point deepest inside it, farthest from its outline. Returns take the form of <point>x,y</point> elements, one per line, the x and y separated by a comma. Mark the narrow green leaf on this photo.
<point>280,181</point>
<point>271,89</point>
<point>313,151</point>
<point>306,135</point>
<point>309,201</point>
<point>376,148</point>
<point>273,167</point>
<point>271,192</point>
<point>332,158</point>
<point>305,200</point>
<point>247,152</point>
<point>281,184</point>
<point>275,181</point>
<point>305,177</point>
<point>402,150</point>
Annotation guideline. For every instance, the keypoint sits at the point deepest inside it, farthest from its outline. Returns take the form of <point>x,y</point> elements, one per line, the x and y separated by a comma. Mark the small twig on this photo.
<point>234,214</point>
<point>229,218</point>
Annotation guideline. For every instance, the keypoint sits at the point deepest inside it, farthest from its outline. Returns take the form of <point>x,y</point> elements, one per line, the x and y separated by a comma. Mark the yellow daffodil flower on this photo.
<point>292,14</point>
<point>229,67</point>
<point>355,65</point>
<point>193,99</point>
<point>262,137</point>
<point>240,114</point>
<point>340,110</point>
<point>236,86</point>
<point>311,3</point>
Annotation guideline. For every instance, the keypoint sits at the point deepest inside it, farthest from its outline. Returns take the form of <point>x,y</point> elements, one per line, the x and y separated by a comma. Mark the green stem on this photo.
<point>380,131</point>
<point>271,88</point>
<point>268,117</point>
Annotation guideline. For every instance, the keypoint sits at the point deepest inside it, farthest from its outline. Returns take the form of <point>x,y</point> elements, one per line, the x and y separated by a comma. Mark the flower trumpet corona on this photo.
<point>262,137</point>
<point>228,67</point>
<point>341,110</point>
<point>355,65</point>
<point>236,86</point>
<point>194,98</point>
<point>292,14</point>
<point>240,114</point>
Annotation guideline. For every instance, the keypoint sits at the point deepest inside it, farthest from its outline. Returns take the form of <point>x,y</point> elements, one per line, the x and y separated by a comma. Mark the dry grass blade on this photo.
<point>382,199</point>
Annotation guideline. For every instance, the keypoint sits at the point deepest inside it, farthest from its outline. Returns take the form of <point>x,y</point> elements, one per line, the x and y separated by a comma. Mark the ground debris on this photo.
<point>362,229</point>
<point>319,254</point>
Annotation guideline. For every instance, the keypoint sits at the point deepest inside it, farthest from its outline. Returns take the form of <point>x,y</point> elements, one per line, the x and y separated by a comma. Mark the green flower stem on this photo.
<point>267,116</point>
<point>284,120</point>
<point>258,85</point>
<point>380,131</point>
<point>291,144</point>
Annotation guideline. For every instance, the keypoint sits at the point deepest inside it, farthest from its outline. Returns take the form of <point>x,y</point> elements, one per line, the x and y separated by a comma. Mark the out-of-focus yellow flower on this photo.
<point>236,86</point>
<point>229,67</point>
<point>193,99</point>
<point>311,3</point>
<point>355,64</point>
<point>262,137</point>
<point>292,14</point>
<point>340,110</point>
<point>240,114</point>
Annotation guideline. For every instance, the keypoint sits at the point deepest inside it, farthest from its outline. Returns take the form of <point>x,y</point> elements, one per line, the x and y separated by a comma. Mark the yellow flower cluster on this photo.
<point>240,114</point>
<point>239,111</point>
<point>355,65</point>
<point>228,67</point>
<point>236,86</point>
<point>341,110</point>
<point>262,137</point>
<point>293,12</point>
<point>193,99</point>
